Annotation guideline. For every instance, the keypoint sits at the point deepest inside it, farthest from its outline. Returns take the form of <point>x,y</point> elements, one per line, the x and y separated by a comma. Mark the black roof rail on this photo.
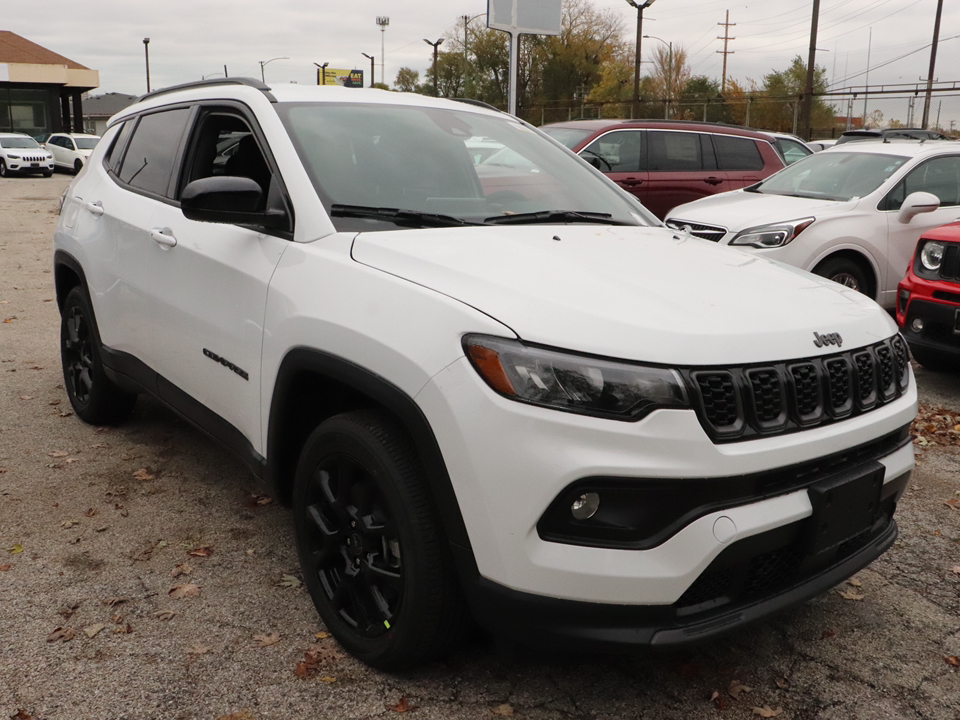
<point>249,82</point>
<point>478,103</point>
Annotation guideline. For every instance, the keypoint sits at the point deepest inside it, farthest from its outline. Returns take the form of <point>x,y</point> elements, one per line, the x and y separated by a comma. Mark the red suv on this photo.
<point>667,163</point>
<point>928,300</point>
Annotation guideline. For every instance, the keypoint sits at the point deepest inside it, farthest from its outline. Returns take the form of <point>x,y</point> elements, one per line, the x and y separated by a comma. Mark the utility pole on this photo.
<point>866,87</point>
<point>435,46</point>
<point>636,66</point>
<point>805,130</point>
<point>383,21</point>
<point>146,54</point>
<point>933,63</point>
<point>372,66</point>
<point>466,56</point>
<point>726,39</point>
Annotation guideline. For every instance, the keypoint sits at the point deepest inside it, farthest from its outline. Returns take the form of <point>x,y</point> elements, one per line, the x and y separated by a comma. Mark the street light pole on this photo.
<point>435,46</point>
<point>372,66</point>
<point>146,54</point>
<point>666,108</point>
<point>805,130</point>
<point>636,66</point>
<point>383,21</point>
<point>264,63</point>
<point>933,64</point>
<point>322,69</point>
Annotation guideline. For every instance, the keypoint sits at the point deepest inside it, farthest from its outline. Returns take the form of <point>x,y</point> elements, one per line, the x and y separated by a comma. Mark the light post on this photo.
<point>322,69</point>
<point>636,68</point>
<point>372,66</point>
<point>666,109</point>
<point>146,55</point>
<point>264,63</point>
<point>383,21</point>
<point>466,57</point>
<point>435,46</point>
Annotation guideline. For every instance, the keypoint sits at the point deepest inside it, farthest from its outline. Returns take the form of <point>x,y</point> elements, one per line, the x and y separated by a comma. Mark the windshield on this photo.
<point>366,160</point>
<point>16,142</point>
<point>571,137</point>
<point>86,143</point>
<point>833,176</point>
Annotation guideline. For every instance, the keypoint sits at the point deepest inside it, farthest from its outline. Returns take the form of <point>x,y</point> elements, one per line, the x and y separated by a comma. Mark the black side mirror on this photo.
<point>230,201</point>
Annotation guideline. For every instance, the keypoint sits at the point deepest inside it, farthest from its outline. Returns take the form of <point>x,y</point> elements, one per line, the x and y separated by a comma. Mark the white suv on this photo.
<point>71,150</point>
<point>482,392</point>
<point>21,154</point>
<point>853,213</point>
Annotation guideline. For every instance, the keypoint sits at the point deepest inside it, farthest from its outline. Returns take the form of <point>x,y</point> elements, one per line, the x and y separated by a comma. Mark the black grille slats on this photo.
<point>745,402</point>
<point>950,264</point>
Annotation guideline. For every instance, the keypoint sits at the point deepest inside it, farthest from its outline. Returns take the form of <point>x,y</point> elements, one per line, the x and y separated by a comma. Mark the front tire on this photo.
<point>4,172</point>
<point>48,173</point>
<point>94,397</point>
<point>373,555</point>
<point>77,166</point>
<point>846,272</point>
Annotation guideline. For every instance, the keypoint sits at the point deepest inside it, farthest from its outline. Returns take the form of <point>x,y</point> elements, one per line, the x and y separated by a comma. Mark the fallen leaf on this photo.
<point>181,569</point>
<point>851,595</point>
<point>21,715</point>
<point>506,710</point>
<point>164,614</point>
<point>327,679</point>
<point>9,319</point>
<point>5,567</point>
<point>828,633</point>
<point>952,660</point>
<point>16,549</point>
<point>92,630</point>
<point>766,711</point>
<point>66,634</point>
<point>185,590</point>
<point>782,683</point>
<point>198,650</point>
<point>718,701</point>
<point>26,397</point>
<point>58,453</point>
<point>855,582</point>
<point>403,705</point>
<point>123,629</point>
<point>953,503</point>
<point>114,601</point>
<point>98,446</point>
<point>268,639</point>
<point>736,687</point>
<point>290,581</point>
<point>955,569</point>
<point>251,552</point>
<point>69,524</point>
<point>90,512</point>
<point>238,715</point>
<point>322,635</point>
<point>143,474</point>
<point>117,619</point>
<point>202,551</point>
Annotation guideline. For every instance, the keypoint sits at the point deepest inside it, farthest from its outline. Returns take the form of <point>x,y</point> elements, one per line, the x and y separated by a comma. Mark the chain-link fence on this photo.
<point>833,114</point>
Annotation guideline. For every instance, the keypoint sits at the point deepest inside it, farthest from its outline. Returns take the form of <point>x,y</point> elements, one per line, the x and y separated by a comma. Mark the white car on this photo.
<point>71,150</point>
<point>852,213</point>
<point>790,147</point>
<point>21,154</point>
<point>480,392</point>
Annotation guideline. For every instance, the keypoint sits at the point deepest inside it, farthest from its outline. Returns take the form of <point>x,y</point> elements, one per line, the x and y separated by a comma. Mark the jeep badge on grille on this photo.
<point>827,339</point>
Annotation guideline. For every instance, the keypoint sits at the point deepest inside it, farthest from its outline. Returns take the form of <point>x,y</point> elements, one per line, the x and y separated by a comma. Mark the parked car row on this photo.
<point>21,154</point>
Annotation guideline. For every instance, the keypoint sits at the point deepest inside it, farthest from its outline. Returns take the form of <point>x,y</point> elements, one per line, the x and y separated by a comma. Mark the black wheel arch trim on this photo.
<point>280,466</point>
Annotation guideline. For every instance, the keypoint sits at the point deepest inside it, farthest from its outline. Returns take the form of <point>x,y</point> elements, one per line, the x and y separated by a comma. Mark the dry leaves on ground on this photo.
<point>201,551</point>
<point>267,639</point>
<point>181,569</point>
<point>403,705</point>
<point>718,701</point>
<point>736,688</point>
<point>164,614</point>
<point>952,660</point>
<point>506,710</point>
<point>92,631</point>
<point>198,649</point>
<point>851,595</point>
<point>5,567</point>
<point>143,474</point>
<point>15,549</point>
<point>58,454</point>
<point>315,656</point>
<point>767,712</point>
<point>290,581</point>
<point>66,634</point>
<point>238,715</point>
<point>935,425</point>
<point>182,591</point>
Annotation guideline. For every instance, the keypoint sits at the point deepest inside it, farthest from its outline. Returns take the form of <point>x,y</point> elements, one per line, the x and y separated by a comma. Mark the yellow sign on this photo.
<point>342,77</point>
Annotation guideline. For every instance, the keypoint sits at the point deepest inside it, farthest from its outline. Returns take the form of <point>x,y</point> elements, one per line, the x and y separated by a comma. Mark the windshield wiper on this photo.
<point>411,218</point>
<point>551,216</point>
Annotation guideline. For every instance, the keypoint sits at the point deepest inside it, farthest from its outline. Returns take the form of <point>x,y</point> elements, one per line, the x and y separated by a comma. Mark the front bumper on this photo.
<point>937,304</point>
<point>29,167</point>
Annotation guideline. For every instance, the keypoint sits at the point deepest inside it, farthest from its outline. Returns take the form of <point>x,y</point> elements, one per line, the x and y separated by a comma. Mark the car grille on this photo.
<point>745,402</point>
<point>33,158</point>
<point>706,232</point>
<point>950,265</point>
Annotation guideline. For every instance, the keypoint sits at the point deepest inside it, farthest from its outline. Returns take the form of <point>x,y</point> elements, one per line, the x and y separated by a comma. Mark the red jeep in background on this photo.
<point>928,300</point>
<point>666,163</point>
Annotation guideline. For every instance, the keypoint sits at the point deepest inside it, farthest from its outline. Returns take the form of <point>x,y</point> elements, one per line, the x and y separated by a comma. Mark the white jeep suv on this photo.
<point>482,391</point>
<point>22,154</point>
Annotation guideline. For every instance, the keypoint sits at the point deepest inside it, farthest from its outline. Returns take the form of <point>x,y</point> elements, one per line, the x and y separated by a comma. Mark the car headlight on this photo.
<point>931,255</point>
<point>13,157</point>
<point>574,383</point>
<point>770,236</point>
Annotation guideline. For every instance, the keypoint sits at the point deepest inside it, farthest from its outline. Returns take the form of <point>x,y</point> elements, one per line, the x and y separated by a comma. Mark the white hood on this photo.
<point>740,210</point>
<point>643,294</point>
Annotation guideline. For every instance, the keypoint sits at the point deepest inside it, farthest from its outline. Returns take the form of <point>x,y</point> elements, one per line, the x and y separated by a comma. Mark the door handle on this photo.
<point>713,180</point>
<point>94,207</point>
<point>161,238</point>
<point>632,181</point>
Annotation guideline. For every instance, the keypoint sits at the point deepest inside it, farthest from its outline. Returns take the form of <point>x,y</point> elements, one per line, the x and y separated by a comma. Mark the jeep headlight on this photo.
<point>931,255</point>
<point>770,236</point>
<point>574,383</point>
<point>13,157</point>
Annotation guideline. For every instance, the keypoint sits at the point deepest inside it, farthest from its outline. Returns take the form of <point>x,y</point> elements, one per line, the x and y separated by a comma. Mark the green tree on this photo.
<point>408,80</point>
<point>778,99</point>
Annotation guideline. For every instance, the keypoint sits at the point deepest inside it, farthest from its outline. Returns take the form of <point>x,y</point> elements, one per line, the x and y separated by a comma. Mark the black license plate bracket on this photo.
<point>844,506</point>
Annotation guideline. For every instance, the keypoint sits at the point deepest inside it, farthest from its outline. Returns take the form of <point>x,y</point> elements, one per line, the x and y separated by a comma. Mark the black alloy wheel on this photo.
<point>3,169</point>
<point>846,272</point>
<point>94,397</point>
<point>370,546</point>
<point>77,166</point>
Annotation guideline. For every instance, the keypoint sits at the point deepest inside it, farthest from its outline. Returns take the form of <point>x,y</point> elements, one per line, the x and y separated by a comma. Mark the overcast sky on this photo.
<point>191,38</point>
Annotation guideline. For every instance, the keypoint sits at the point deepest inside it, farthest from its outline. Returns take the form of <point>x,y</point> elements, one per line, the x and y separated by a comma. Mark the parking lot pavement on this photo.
<point>142,575</point>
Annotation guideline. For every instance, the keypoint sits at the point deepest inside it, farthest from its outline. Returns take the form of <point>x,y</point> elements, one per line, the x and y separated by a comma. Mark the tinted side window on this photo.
<point>149,160</point>
<point>940,176</point>
<point>674,151</point>
<point>115,153</point>
<point>615,152</point>
<point>737,153</point>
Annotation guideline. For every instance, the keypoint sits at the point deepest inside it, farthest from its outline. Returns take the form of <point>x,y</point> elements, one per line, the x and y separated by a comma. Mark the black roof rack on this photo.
<point>249,82</point>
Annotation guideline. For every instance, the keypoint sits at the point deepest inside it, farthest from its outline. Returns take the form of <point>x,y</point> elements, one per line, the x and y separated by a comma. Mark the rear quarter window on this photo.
<point>737,153</point>
<point>152,152</point>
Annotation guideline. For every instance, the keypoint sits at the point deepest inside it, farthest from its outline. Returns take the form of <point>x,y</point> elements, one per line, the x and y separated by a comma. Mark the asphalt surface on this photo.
<point>143,576</point>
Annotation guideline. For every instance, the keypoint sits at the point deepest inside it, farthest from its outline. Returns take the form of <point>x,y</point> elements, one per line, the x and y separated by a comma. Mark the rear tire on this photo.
<point>48,173</point>
<point>77,166</point>
<point>846,272</point>
<point>373,554</point>
<point>94,397</point>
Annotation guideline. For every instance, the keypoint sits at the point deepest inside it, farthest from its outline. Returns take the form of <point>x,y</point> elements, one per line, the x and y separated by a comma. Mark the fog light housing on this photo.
<point>585,506</point>
<point>917,325</point>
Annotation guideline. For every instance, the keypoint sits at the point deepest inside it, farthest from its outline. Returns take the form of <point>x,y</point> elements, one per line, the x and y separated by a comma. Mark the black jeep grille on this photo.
<point>950,264</point>
<point>743,402</point>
